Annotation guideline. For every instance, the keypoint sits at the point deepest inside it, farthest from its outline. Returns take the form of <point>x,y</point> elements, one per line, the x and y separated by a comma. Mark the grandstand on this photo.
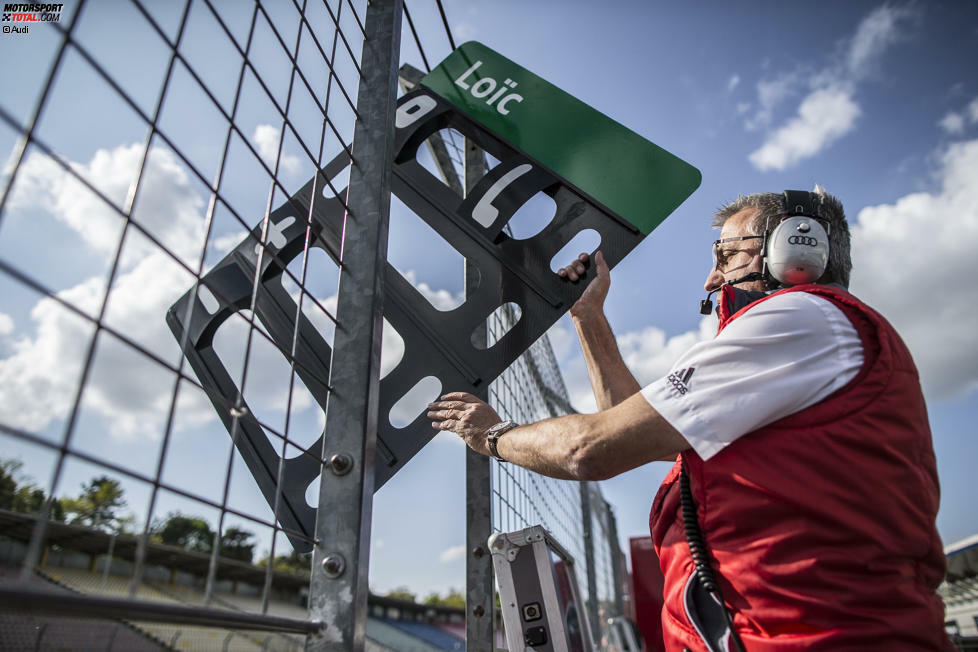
<point>960,592</point>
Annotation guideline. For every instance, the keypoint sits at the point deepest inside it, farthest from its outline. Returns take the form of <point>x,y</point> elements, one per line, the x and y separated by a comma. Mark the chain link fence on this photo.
<point>147,141</point>
<point>575,514</point>
<point>151,143</point>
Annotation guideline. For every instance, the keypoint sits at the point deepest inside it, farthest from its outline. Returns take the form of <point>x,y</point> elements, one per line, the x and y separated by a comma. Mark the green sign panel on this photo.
<point>632,177</point>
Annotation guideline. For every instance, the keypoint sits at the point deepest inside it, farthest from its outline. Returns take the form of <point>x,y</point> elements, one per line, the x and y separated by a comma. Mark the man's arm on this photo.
<point>611,380</point>
<point>575,447</point>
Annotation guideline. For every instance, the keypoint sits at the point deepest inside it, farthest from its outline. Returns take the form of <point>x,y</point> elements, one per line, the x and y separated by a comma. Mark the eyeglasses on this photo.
<point>722,256</point>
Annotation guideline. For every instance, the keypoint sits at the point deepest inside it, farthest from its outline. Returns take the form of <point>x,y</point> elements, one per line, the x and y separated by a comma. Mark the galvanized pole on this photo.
<point>338,588</point>
<point>592,578</point>
<point>616,561</point>
<point>479,602</point>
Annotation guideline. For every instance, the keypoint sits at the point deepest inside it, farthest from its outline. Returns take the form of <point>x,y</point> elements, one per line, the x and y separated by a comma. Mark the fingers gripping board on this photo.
<point>436,343</point>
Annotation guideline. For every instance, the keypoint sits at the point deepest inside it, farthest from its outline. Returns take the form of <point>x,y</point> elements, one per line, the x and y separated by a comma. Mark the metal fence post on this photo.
<point>479,604</point>
<point>616,560</point>
<point>338,587</point>
<point>592,580</point>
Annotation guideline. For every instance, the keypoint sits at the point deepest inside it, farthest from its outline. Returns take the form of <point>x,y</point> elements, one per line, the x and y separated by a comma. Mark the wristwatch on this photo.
<point>494,433</point>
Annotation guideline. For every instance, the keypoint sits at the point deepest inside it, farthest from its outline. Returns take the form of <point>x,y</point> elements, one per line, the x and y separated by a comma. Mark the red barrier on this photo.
<point>647,592</point>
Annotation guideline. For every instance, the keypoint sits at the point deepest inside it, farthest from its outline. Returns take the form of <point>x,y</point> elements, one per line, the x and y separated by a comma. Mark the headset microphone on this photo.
<point>706,305</point>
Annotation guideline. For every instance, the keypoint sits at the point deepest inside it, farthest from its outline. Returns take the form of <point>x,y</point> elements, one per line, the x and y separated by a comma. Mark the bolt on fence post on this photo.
<point>338,589</point>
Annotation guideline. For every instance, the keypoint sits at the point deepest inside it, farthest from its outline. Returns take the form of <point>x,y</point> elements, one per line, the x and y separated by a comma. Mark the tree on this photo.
<point>237,544</point>
<point>20,495</point>
<point>453,598</point>
<point>187,532</point>
<point>98,505</point>
<point>28,499</point>
<point>402,593</point>
<point>294,563</point>
<point>8,483</point>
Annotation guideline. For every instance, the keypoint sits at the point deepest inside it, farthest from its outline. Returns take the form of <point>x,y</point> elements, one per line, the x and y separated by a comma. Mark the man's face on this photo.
<point>736,259</point>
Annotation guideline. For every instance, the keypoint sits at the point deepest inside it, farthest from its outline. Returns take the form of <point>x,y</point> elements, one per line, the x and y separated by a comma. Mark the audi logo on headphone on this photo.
<point>802,240</point>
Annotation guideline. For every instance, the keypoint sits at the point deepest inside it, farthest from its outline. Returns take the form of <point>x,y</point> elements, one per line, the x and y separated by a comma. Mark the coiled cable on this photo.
<point>697,550</point>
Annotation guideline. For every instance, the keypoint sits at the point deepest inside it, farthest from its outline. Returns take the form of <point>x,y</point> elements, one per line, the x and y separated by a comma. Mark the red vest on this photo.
<point>820,525</point>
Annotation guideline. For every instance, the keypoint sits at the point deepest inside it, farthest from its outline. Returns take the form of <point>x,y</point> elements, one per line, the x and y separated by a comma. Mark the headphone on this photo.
<point>796,252</point>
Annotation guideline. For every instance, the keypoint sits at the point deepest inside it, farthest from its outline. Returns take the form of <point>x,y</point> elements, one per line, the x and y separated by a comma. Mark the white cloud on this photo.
<point>952,123</point>
<point>911,261</point>
<point>876,32</point>
<point>41,182</point>
<point>770,94</point>
<point>167,206</point>
<point>267,139</point>
<point>823,117</point>
<point>441,299</point>
<point>124,388</point>
<point>6,324</point>
<point>228,241</point>
<point>973,111</point>
<point>127,391</point>
<point>955,121</point>
<point>828,112</point>
<point>648,353</point>
<point>40,376</point>
<point>465,29</point>
<point>453,554</point>
<point>733,83</point>
<point>8,165</point>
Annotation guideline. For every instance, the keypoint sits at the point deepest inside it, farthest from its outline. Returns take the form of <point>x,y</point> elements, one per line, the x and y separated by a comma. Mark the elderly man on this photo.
<point>804,466</point>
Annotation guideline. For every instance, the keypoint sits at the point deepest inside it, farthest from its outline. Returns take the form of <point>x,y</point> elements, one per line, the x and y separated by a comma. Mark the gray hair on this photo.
<point>769,206</point>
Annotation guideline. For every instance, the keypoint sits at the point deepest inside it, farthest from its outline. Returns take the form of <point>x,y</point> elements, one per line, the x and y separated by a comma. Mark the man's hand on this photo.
<point>592,301</point>
<point>465,415</point>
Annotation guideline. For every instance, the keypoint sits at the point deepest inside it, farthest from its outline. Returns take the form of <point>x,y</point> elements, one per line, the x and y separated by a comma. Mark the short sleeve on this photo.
<point>778,358</point>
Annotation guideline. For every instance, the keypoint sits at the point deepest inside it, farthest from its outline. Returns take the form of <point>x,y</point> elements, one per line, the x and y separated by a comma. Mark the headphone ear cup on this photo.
<point>797,251</point>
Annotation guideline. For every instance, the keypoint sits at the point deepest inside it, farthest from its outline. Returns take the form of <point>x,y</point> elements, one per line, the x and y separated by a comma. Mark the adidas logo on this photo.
<point>680,379</point>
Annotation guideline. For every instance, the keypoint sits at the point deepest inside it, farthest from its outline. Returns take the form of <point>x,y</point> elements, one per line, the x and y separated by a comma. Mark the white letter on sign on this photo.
<point>483,87</point>
<point>276,234</point>
<point>506,100</point>
<point>409,112</point>
<point>484,212</point>
<point>465,74</point>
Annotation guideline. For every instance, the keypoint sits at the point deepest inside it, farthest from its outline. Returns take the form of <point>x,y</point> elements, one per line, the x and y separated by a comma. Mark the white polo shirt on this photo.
<point>780,357</point>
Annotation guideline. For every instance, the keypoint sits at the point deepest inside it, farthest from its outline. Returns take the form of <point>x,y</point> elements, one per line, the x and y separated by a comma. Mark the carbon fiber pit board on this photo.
<point>436,343</point>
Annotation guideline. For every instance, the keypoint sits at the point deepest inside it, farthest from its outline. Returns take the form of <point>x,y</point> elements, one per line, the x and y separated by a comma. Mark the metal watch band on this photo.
<point>495,432</point>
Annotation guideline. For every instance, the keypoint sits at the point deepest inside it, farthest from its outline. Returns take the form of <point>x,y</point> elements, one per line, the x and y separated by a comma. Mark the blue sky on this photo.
<point>878,102</point>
